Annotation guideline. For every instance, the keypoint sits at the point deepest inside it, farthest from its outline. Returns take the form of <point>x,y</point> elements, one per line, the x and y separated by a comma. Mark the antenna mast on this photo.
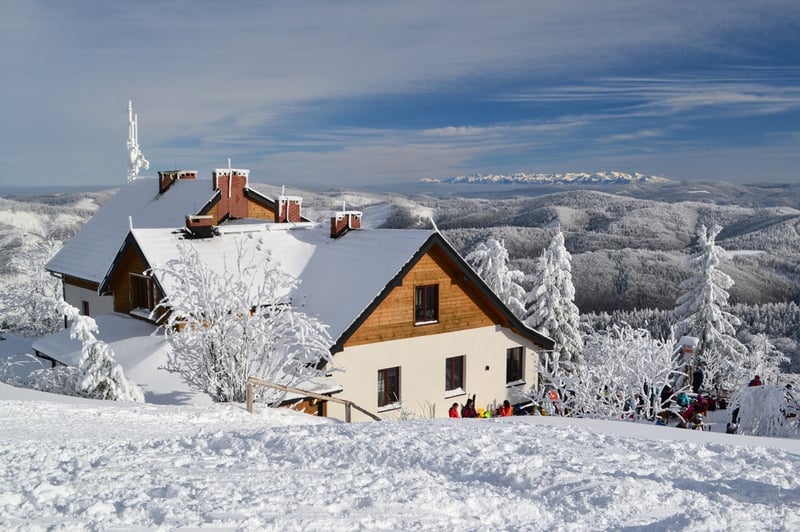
<point>136,158</point>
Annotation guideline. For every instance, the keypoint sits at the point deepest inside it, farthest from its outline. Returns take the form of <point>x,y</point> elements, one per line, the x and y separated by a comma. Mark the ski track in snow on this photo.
<point>66,466</point>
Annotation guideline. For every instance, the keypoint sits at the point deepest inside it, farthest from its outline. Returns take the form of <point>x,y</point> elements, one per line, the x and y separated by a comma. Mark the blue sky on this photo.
<point>330,94</point>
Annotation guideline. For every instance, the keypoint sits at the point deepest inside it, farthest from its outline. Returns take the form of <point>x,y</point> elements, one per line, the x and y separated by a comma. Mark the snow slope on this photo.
<point>81,464</point>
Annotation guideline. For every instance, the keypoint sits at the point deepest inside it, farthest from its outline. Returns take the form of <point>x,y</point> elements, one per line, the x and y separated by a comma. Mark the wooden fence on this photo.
<point>348,405</point>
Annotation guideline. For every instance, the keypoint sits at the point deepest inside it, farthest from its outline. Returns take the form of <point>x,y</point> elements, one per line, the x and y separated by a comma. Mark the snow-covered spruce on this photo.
<point>699,312</point>
<point>490,260</point>
<point>550,304</point>
<point>224,328</point>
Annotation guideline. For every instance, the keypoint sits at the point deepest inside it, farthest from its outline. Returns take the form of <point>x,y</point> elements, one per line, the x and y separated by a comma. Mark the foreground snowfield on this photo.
<point>68,463</point>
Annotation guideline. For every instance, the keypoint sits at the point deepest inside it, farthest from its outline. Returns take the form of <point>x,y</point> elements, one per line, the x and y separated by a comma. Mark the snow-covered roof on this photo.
<point>90,253</point>
<point>339,278</point>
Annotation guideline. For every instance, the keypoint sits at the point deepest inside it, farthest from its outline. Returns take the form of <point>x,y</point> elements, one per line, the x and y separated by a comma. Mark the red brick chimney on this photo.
<point>231,183</point>
<point>167,177</point>
<point>199,226</point>
<point>288,209</point>
<point>345,221</point>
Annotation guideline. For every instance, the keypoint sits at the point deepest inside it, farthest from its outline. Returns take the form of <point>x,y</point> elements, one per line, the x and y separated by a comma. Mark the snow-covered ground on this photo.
<point>69,463</point>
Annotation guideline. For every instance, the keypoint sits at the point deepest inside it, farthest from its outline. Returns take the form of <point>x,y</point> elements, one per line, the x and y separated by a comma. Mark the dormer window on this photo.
<point>143,297</point>
<point>426,304</point>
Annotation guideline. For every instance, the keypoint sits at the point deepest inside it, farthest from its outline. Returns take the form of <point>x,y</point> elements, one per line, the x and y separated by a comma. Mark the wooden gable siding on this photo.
<point>132,262</point>
<point>461,305</point>
<point>255,210</point>
<point>259,211</point>
<point>80,283</point>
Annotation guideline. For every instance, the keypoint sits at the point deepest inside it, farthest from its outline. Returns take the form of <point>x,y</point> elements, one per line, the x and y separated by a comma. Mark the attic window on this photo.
<point>426,304</point>
<point>142,292</point>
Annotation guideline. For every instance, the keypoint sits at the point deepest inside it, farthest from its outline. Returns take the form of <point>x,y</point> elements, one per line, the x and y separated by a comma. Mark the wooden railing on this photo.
<point>348,405</point>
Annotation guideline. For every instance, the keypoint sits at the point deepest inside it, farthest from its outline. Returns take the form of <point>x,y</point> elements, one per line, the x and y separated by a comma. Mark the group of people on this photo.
<point>469,410</point>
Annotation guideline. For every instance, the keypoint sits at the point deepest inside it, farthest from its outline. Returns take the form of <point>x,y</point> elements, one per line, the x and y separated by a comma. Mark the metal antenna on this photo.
<point>136,158</point>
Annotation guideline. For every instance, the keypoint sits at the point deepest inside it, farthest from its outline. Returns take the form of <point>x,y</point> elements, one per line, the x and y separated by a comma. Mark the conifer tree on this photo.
<point>699,312</point>
<point>490,261</point>
<point>550,304</point>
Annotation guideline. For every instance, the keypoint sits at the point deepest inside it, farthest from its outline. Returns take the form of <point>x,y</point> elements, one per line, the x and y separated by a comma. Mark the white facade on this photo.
<point>75,296</point>
<point>422,372</point>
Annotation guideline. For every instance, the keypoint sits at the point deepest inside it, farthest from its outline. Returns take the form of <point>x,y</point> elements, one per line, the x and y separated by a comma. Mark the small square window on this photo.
<point>426,304</point>
<point>515,365</point>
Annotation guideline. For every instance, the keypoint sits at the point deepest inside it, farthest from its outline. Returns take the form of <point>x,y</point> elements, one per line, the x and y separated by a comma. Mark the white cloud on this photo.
<point>211,72</point>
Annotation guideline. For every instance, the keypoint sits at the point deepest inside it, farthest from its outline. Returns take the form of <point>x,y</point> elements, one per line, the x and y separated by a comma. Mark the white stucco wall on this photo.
<point>98,305</point>
<point>422,371</point>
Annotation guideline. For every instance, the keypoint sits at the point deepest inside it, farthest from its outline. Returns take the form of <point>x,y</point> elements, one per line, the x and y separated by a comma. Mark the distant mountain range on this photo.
<point>578,178</point>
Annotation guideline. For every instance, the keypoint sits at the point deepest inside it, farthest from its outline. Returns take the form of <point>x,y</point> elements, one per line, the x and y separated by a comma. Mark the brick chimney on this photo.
<point>345,221</point>
<point>167,177</point>
<point>231,183</point>
<point>288,209</point>
<point>199,226</point>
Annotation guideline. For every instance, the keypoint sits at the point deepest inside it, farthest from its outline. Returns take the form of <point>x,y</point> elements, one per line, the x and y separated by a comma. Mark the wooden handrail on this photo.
<point>347,404</point>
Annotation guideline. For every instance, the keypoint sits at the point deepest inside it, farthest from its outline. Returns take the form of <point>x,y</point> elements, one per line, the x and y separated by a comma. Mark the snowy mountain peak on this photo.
<point>580,178</point>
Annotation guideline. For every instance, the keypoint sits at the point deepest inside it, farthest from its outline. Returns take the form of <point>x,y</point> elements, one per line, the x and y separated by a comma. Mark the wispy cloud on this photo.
<point>269,82</point>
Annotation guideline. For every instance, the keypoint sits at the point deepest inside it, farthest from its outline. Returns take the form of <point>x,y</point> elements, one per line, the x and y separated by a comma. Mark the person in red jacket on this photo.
<point>453,412</point>
<point>756,381</point>
<point>468,410</point>
<point>505,410</point>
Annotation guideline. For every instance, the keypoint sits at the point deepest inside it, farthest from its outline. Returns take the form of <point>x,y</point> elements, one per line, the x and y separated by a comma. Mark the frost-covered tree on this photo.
<point>550,304</point>
<point>699,312</point>
<point>227,326</point>
<point>767,410</point>
<point>765,359</point>
<point>622,375</point>
<point>490,260</point>
<point>26,306</point>
<point>97,375</point>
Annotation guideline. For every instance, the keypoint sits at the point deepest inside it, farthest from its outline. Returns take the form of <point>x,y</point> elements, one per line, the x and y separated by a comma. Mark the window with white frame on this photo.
<point>388,387</point>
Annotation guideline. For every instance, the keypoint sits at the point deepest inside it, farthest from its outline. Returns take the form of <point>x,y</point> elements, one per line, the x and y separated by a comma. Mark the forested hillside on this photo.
<point>628,252</point>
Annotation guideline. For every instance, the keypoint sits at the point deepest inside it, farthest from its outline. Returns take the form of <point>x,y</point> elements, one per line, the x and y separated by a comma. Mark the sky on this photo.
<point>346,94</point>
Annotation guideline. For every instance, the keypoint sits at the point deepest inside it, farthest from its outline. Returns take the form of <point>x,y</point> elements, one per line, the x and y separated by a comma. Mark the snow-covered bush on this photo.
<point>622,375</point>
<point>767,410</point>
<point>26,303</point>
<point>225,327</point>
<point>63,380</point>
<point>97,375</point>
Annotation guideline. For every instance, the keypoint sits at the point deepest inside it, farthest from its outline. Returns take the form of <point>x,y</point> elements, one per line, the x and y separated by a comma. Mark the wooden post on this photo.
<point>250,397</point>
<point>347,412</point>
